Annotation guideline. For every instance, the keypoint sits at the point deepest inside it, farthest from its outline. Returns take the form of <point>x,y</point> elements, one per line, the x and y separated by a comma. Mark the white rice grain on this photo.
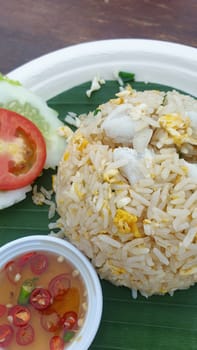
<point>189,237</point>
<point>139,234</point>
<point>160,256</point>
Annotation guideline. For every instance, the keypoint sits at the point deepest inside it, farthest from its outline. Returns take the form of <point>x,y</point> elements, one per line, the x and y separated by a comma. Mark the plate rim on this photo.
<point>41,72</point>
<point>98,44</point>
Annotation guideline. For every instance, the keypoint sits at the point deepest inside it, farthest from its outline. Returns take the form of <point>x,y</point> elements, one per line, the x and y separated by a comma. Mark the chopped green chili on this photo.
<point>97,110</point>
<point>25,291</point>
<point>126,76</point>
<point>68,336</point>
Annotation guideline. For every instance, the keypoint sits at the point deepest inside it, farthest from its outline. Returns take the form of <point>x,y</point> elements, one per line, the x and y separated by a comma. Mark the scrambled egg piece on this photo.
<point>80,141</point>
<point>116,270</point>
<point>64,131</point>
<point>117,101</point>
<point>185,169</point>
<point>66,156</point>
<point>126,222</point>
<point>163,291</point>
<point>77,191</point>
<point>110,176</point>
<point>126,92</point>
<point>176,126</point>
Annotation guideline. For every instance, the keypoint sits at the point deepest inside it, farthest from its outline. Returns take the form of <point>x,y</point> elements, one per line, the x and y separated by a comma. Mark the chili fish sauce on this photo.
<point>43,302</point>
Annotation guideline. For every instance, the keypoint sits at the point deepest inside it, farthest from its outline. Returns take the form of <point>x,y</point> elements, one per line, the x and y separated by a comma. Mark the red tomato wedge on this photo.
<point>6,335</point>
<point>40,298</point>
<point>25,335</point>
<point>22,151</point>
<point>39,264</point>
<point>21,315</point>
<point>56,343</point>
<point>59,286</point>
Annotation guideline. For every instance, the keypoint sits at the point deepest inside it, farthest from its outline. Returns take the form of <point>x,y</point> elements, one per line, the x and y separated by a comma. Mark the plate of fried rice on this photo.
<point>126,186</point>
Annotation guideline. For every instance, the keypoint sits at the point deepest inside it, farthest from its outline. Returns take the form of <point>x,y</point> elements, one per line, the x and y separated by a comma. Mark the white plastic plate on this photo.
<point>156,61</point>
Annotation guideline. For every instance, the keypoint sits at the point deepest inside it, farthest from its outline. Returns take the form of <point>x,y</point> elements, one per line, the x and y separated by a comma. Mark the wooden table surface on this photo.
<point>29,29</point>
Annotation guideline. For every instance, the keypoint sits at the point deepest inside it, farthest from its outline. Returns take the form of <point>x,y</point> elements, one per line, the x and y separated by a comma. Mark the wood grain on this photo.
<point>29,28</point>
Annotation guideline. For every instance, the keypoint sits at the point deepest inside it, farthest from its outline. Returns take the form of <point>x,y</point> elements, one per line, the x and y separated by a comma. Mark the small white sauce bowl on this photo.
<point>59,246</point>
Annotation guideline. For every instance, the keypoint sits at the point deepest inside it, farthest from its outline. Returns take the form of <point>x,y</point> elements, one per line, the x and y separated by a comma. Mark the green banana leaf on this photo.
<point>156,323</point>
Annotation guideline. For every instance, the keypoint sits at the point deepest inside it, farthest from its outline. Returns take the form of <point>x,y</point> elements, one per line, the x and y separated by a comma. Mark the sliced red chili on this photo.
<point>6,335</point>
<point>40,298</point>
<point>69,320</point>
<point>25,335</point>
<point>56,343</point>
<point>24,259</point>
<point>39,264</point>
<point>12,270</point>
<point>3,310</point>
<point>21,315</point>
<point>50,320</point>
<point>59,286</point>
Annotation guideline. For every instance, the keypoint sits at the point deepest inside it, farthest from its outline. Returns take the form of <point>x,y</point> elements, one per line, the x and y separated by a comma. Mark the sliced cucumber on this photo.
<point>8,198</point>
<point>17,98</point>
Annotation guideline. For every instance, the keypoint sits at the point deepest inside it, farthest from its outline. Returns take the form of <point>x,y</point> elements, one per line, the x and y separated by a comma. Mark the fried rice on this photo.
<point>126,190</point>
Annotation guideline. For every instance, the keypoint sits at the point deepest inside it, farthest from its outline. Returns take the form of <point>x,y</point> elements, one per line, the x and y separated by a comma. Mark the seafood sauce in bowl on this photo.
<point>50,297</point>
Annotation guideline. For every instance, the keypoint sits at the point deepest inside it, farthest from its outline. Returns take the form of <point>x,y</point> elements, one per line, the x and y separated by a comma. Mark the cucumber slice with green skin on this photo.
<point>17,98</point>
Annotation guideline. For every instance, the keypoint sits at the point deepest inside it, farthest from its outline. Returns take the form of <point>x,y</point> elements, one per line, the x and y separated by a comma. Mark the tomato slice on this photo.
<point>39,263</point>
<point>69,320</point>
<point>59,286</point>
<point>12,270</point>
<point>22,150</point>
<point>25,335</point>
<point>56,343</point>
<point>21,315</point>
<point>40,298</point>
<point>6,335</point>
<point>50,321</point>
<point>3,310</point>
